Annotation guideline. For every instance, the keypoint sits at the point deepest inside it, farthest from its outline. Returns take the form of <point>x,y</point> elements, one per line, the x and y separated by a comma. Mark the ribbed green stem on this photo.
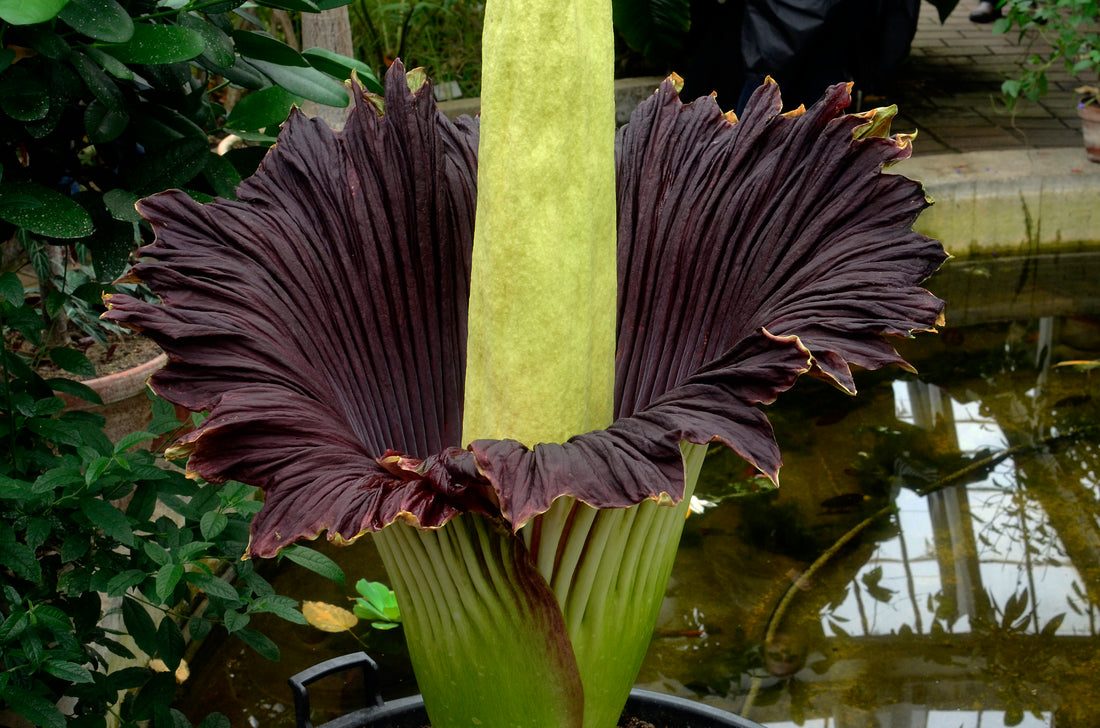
<point>609,569</point>
<point>485,634</point>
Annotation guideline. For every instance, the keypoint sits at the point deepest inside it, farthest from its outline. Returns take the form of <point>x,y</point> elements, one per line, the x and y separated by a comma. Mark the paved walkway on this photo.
<point>949,90</point>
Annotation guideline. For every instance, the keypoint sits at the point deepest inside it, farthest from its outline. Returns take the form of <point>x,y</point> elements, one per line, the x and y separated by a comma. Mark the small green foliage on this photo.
<point>377,603</point>
<point>92,530</point>
<point>1064,32</point>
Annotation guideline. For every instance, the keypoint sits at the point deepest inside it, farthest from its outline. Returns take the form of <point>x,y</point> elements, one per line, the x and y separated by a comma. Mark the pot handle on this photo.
<point>299,683</point>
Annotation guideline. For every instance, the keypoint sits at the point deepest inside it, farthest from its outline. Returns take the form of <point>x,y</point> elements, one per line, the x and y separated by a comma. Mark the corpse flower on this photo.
<point>519,413</point>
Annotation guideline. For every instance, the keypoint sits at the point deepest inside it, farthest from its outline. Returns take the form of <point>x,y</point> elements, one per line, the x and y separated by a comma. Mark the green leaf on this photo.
<point>260,46</point>
<point>315,561</point>
<point>340,67</point>
<point>139,625</point>
<point>13,626</point>
<point>75,388</point>
<point>155,695</point>
<point>69,671</point>
<point>262,644</point>
<point>102,123</point>
<point>261,109</point>
<point>72,360</point>
<point>109,519</point>
<point>157,553</point>
<point>99,83</point>
<point>212,585</point>
<point>120,203</point>
<point>222,176</point>
<point>212,523</point>
<point>198,628</point>
<point>219,46</point>
<point>306,82</point>
<point>22,96</point>
<point>28,12</point>
<point>43,211</point>
<point>158,44</point>
<point>235,621</point>
<point>109,63</point>
<point>279,605</point>
<point>118,585</point>
<point>103,20</point>
<point>173,165</point>
<point>167,577</point>
<point>128,441</point>
<point>20,558</point>
<point>170,643</point>
<point>33,707</point>
<point>11,289</point>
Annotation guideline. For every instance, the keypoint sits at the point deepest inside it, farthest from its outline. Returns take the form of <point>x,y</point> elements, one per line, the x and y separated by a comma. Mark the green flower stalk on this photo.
<point>518,409</point>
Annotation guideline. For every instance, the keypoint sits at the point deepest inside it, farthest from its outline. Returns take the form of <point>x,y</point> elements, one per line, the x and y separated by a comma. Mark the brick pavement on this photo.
<point>949,90</point>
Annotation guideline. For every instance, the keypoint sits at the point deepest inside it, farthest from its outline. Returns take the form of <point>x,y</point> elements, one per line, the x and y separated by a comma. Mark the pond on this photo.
<point>931,559</point>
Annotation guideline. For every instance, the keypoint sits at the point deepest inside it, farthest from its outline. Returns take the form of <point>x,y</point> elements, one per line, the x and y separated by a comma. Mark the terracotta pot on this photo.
<point>1090,129</point>
<point>656,708</point>
<point>125,404</point>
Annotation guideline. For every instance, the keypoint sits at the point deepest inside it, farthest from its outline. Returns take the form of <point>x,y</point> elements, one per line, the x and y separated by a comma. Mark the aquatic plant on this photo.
<point>520,410</point>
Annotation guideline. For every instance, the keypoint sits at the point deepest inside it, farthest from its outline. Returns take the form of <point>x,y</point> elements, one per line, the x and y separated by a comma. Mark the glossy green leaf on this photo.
<point>28,12</point>
<point>46,41</point>
<point>340,67</point>
<point>109,63</point>
<point>167,577</point>
<point>33,707</point>
<point>212,524</point>
<point>212,585</point>
<point>20,559</point>
<point>259,642</point>
<point>222,176</point>
<point>330,4</point>
<point>72,360</point>
<point>11,289</point>
<point>156,44</point>
<point>244,74</point>
<point>109,519</point>
<point>102,123</point>
<point>22,96</point>
<point>75,388</point>
<point>103,20</point>
<point>306,82</point>
<point>43,211</point>
<point>139,625</point>
<point>261,109</point>
<point>219,46</point>
<point>99,83</point>
<point>170,644</point>
<point>121,204</point>
<point>315,561</point>
<point>257,45</point>
<point>68,671</point>
<point>174,165</point>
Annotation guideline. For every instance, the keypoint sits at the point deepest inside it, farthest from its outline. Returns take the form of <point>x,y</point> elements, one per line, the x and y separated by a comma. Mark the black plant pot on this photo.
<point>656,708</point>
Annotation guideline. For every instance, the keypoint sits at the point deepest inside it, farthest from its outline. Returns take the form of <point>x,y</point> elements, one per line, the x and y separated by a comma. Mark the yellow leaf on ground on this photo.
<point>328,617</point>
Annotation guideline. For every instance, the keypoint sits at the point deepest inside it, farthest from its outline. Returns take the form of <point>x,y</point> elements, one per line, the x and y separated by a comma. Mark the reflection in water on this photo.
<point>932,559</point>
<point>968,592</point>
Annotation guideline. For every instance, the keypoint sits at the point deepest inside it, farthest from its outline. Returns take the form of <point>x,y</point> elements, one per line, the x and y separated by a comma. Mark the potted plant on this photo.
<point>518,410</point>
<point>1066,33</point>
